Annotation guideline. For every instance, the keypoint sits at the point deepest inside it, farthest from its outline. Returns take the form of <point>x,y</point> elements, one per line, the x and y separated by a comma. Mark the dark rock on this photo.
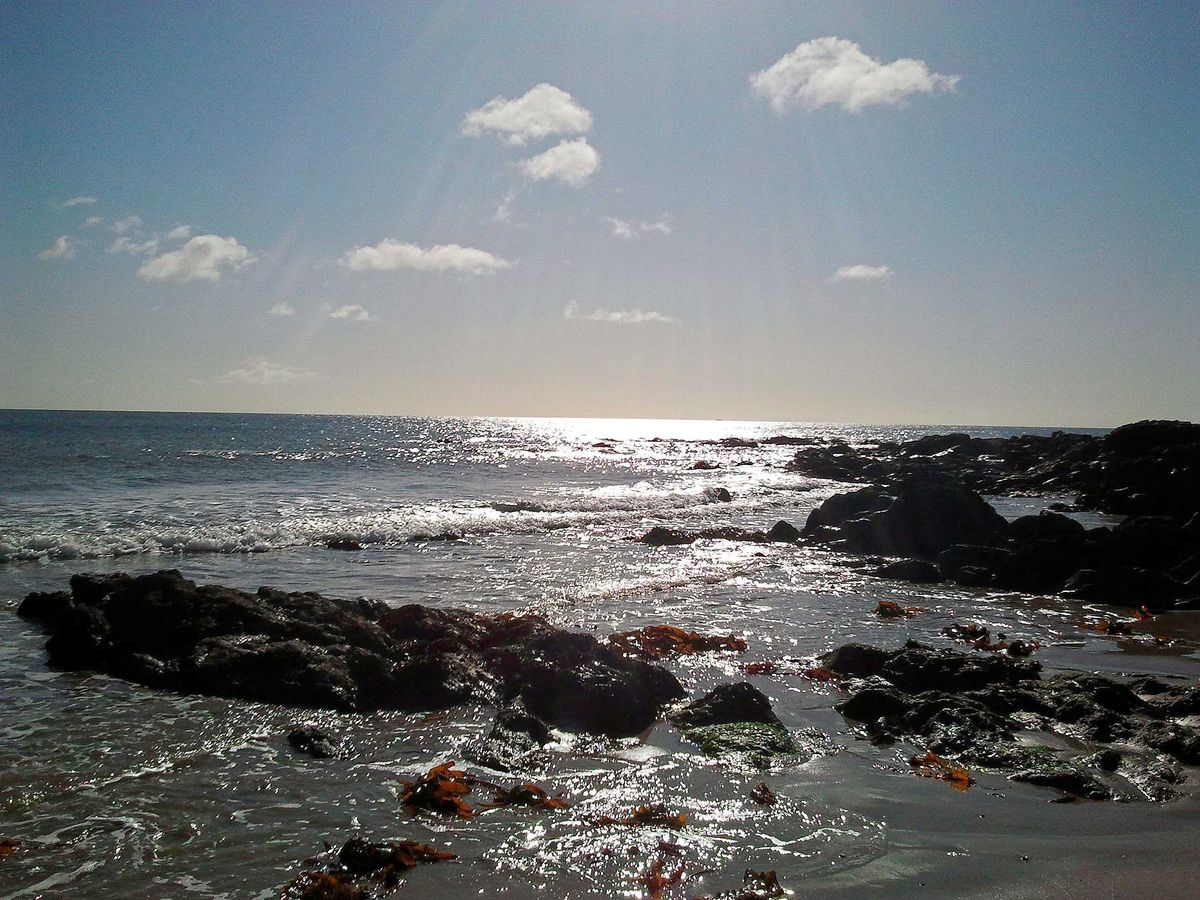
<point>343,543</point>
<point>933,444</point>
<point>1075,782</point>
<point>727,703</point>
<point>783,532</point>
<point>1126,587</point>
<point>1179,741</point>
<point>857,660</point>
<point>1039,566</point>
<point>311,740</point>
<point>515,739</point>
<point>918,571</point>
<point>957,557</point>
<point>660,536</point>
<point>717,495</point>
<point>47,608</point>
<point>302,649</point>
<point>917,668</point>
<point>841,508</point>
<point>704,465</point>
<point>1046,526</point>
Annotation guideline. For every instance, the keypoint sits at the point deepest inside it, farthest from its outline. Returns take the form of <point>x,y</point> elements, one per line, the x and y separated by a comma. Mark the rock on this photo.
<point>46,608</point>
<point>917,668</point>
<point>957,557</point>
<point>343,543</point>
<point>1125,587</point>
<point>728,703</point>
<point>1039,566</point>
<point>717,495</point>
<point>1046,526</point>
<point>515,740</point>
<point>841,508</point>
<point>1075,782</point>
<point>761,742</point>
<point>918,571</point>
<point>704,465</point>
<point>659,536</point>
<point>783,533</point>
<point>933,444</point>
<point>302,649</point>
<point>857,660</point>
<point>311,740</point>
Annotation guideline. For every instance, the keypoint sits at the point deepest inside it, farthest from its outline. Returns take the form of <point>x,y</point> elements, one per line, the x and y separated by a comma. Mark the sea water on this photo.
<point>115,790</point>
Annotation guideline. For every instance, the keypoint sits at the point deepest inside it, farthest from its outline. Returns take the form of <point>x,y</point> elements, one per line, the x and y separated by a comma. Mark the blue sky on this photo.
<point>1010,191</point>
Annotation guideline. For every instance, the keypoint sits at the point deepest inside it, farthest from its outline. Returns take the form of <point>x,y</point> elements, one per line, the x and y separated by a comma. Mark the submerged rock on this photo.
<point>971,707</point>
<point>311,740</point>
<point>302,649</point>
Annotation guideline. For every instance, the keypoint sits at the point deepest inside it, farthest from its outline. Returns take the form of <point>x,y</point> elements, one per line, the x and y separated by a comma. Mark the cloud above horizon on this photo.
<point>351,311</point>
<point>282,310</point>
<point>79,201</point>
<point>616,316</point>
<point>835,71</point>
<point>861,272</point>
<point>64,247</point>
<point>631,228</point>
<point>261,372</point>
<point>571,162</point>
<point>389,255</point>
<point>543,111</point>
<point>203,258</point>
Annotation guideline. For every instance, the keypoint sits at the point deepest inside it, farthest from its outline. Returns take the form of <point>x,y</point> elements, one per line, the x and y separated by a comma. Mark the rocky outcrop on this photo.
<point>1145,468</point>
<point>737,720</point>
<point>303,649</point>
<point>972,707</point>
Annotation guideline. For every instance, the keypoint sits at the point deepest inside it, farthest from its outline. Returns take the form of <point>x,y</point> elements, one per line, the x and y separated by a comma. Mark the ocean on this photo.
<point>116,790</point>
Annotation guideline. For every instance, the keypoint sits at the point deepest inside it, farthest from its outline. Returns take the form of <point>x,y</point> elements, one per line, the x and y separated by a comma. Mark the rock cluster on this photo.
<point>971,706</point>
<point>303,649</point>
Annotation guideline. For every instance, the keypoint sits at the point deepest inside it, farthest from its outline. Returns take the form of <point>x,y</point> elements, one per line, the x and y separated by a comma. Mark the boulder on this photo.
<point>1125,587</point>
<point>783,532</point>
<point>918,571</point>
<point>726,703</point>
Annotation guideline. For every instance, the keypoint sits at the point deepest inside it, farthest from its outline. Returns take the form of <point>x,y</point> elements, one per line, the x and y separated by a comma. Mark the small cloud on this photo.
<point>179,233</point>
<point>93,220</point>
<point>631,228</point>
<point>861,273</point>
<point>616,316</point>
<point>262,372</point>
<point>503,213</point>
<point>282,310</point>
<point>571,162</point>
<point>124,245</point>
<point>203,258</point>
<point>352,311</point>
<point>832,70</point>
<point>64,247</point>
<point>543,111</point>
<point>389,254</point>
<point>79,201</point>
<point>123,226</point>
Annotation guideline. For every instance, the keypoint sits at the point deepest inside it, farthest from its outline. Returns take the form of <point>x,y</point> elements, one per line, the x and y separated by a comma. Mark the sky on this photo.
<point>983,213</point>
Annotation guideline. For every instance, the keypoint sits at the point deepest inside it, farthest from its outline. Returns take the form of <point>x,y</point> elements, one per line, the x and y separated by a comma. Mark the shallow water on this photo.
<point>117,791</point>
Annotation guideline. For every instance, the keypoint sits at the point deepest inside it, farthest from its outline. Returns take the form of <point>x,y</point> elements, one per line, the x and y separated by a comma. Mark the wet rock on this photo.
<point>660,536</point>
<point>515,740</point>
<point>924,518</point>
<point>1039,566</point>
<point>918,571</point>
<point>762,743</point>
<point>857,660</point>
<point>783,532</point>
<point>1071,781</point>
<point>302,649</point>
<point>1126,587</point>
<point>312,740</point>
<point>704,465</point>
<point>727,703</point>
<point>343,543</point>
<point>957,557</point>
<point>917,668</point>
<point>47,608</point>
<point>717,495</point>
<point>1046,526</point>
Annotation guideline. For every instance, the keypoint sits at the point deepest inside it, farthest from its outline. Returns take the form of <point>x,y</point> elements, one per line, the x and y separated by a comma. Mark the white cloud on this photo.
<point>832,70</point>
<point>351,311</point>
<point>179,233</point>
<point>545,110</point>
<point>390,254</point>
<point>571,162</point>
<point>122,226</point>
<point>262,372</point>
<point>282,310</point>
<point>93,220</point>
<point>79,201</point>
<point>631,228</point>
<point>202,258</point>
<point>616,316</point>
<point>124,245</point>
<point>861,273</point>
<point>64,247</point>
